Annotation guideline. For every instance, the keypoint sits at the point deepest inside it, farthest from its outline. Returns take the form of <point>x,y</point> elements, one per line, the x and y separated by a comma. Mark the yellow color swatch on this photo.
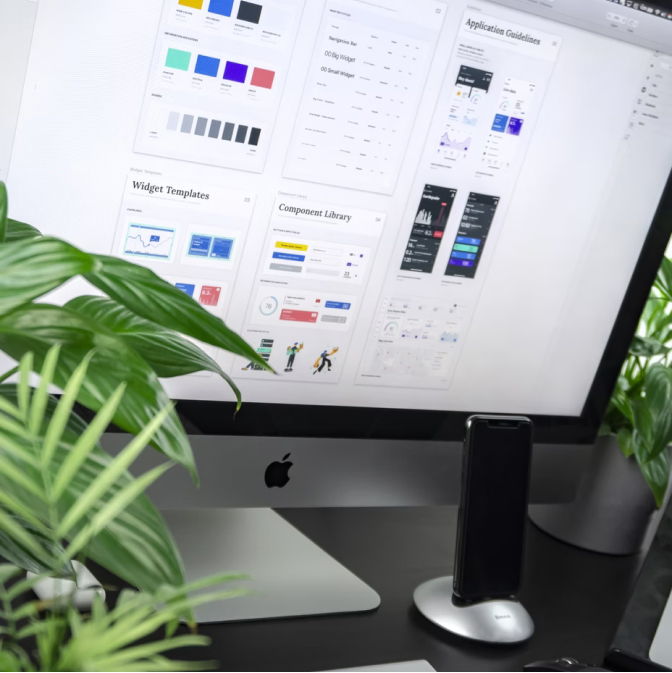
<point>194,4</point>
<point>291,246</point>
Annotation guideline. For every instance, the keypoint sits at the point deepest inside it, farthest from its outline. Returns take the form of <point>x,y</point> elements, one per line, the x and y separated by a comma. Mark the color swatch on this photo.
<point>194,4</point>
<point>235,72</point>
<point>221,7</point>
<point>249,11</point>
<point>262,78</point>
<point>210,128</point>
<point>178,59</point>
<point>206,65</point>
<point>254,137</point>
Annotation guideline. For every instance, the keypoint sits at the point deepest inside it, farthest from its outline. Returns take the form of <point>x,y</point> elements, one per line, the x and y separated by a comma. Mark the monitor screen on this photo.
<point>402,205</point>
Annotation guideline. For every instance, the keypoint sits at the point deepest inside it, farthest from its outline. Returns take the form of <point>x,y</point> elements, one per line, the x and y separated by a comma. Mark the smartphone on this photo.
<point>493,507</point>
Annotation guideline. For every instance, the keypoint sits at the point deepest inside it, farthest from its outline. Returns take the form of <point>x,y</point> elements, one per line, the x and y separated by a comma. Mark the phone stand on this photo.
<point>492,621</point>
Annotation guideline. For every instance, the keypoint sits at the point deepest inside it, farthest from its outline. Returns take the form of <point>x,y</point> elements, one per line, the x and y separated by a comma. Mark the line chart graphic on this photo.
<point>144,240</point>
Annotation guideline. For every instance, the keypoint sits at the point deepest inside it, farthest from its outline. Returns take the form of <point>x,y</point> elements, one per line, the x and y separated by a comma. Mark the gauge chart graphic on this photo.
<point>268,305</point>
<point>144,240</point>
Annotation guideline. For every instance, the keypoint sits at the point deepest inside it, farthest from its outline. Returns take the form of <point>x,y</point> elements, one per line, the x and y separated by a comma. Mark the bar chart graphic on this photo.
<point>144,240</point>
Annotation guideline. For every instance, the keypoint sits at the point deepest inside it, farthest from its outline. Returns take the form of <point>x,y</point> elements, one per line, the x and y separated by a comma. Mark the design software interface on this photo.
<point>377,195</point>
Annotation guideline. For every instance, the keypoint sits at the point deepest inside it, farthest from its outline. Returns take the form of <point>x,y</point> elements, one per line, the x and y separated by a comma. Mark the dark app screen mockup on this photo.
<point>428,227</point>
<point>471,235</point>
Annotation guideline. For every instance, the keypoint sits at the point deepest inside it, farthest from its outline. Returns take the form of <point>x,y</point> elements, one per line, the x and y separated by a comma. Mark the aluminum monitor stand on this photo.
<point>290,575</point>
<point>491,621</point>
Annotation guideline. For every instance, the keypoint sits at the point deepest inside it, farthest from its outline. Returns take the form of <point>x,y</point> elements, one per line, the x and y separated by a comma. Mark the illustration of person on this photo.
<point>324,360</point>
<point>292,352</point>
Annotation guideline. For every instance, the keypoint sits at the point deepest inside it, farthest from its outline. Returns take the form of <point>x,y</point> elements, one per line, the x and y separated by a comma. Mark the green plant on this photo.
<point>107,353</point>
<point>63,498</point>
<point>104,640</point>
<point>640,410</point>
<point>134,330</point>
<point>58,486</point>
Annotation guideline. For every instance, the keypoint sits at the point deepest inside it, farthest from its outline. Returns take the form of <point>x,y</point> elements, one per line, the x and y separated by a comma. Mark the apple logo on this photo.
<point>277,473</point>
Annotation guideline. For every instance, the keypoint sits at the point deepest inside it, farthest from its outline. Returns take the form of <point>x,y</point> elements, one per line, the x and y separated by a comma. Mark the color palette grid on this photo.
<point>213,128</point>
<point>209,66</point>
<point>250,12</point>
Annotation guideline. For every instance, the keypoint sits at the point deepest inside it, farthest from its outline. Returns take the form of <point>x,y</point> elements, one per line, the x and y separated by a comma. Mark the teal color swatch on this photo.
<point>177,59</point>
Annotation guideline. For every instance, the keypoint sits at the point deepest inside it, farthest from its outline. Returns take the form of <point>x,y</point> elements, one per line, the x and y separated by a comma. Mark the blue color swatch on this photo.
<point>221,7</point>
<point>206,65</point>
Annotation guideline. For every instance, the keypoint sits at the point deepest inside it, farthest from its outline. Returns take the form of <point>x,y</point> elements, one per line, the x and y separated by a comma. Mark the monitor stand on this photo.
<point>290,575</point>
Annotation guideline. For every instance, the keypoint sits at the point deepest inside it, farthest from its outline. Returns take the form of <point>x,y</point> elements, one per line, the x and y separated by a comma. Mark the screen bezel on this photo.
<point>295,420</point>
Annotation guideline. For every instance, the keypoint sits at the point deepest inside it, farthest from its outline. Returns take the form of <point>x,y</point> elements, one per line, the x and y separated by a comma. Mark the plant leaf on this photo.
<point>134,654</point>
<point>663,281</point>
<point>624,439</point>
<point>141,291</point>
<point>114,507</point>
<point>658,390</point>
<point>653,310</point>
<point>23,386</point>
<point>643,429</point>
<point>38,327</point>
<point>31,268</point>
<point>86,442</point>
<point>41,395</point>
<point>165,351</point>
<point>3,211</point>
<point>61,415</point>
<point>137,546</point>
<point>21,536</point>
<point>19,231</point>
<point>656,471</point>
<point>647,347</point>
<point>109,476</point>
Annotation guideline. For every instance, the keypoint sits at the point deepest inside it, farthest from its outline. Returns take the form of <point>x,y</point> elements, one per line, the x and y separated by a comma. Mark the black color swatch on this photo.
<point>249,11</point>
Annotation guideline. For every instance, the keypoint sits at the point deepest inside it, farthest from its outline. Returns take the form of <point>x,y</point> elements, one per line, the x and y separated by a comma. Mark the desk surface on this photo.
<point>575,598</point>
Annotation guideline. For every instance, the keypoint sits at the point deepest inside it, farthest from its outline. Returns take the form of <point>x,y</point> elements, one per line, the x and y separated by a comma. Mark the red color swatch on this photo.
<point>262,78</point>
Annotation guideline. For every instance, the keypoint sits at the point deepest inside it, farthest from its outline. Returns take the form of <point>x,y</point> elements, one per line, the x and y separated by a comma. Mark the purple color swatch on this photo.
<point>235,72</point>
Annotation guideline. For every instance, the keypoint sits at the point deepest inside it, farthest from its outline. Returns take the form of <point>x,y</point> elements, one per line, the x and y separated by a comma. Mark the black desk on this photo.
<point>575,598</point>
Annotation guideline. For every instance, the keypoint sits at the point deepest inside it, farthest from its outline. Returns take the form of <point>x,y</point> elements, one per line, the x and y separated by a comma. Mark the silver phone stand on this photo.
<point>490,621</point>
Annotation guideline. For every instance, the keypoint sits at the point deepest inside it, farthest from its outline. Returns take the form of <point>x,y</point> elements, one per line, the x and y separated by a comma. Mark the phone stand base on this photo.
<point>495,621</point>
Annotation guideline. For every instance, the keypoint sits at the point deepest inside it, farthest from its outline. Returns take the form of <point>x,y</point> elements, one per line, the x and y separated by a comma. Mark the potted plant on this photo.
<point>131,337</point>
<point>626,485</point>
<point>62,499</point>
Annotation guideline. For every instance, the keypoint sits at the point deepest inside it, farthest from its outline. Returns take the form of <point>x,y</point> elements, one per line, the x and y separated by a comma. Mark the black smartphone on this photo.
<point>493,507</point>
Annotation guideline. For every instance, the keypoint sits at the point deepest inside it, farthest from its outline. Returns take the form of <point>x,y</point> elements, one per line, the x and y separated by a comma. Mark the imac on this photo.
<point>413,211</point>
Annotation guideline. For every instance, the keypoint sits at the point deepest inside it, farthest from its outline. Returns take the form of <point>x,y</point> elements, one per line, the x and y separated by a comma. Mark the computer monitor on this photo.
<point>413,211</point>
